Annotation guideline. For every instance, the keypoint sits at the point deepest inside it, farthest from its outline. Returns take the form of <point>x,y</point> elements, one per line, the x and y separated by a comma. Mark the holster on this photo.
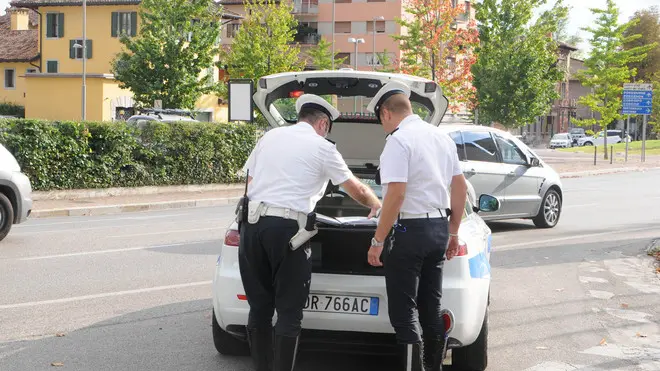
<point>307,230</point>
<point>242,211</point>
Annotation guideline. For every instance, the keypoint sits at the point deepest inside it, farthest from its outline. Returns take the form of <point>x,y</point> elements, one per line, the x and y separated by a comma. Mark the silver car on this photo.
<point>15,193</point>
<point>499,164</point>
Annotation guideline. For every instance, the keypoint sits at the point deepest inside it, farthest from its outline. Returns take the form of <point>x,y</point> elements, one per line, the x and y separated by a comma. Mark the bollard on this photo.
<point>595,153</point>
<point>611,154</point>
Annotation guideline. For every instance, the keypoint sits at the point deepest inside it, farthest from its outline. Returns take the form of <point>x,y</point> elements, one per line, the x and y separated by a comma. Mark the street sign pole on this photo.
<point>638,100</point>
<point>625,133</point>
<point>644,140</point>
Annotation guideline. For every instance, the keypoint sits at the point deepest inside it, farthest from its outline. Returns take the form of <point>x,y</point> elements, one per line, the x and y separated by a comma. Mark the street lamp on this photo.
<point>373,55</point>
<point>84,60</point>
<point>333,33</point>
<point>356,42</point>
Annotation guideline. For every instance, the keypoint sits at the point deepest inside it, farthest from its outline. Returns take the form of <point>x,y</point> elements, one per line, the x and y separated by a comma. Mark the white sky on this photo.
<point>580,16</point>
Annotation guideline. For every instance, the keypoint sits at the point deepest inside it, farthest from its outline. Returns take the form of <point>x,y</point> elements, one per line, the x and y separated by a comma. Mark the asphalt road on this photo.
<point>132,291</point>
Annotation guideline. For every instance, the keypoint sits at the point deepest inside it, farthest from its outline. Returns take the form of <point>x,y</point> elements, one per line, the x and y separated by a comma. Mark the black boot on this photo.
<point>286,349</point>
<point>412,357</point>
<point>434,354</point>
<point>261,348</point>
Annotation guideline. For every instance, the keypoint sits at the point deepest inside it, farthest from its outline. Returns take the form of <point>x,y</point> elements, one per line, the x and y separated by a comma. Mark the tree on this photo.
<point>517,69</point>
<point>178,39</point>
<point>572,40</point>
<point>648,26</point>
<point>435,48</point>
<point>264,44</point>
<point>321,55</point>
<point>606,69</point>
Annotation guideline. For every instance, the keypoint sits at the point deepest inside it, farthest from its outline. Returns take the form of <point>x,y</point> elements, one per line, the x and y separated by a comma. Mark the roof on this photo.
<point>563,45</point>
<point>18,46</point>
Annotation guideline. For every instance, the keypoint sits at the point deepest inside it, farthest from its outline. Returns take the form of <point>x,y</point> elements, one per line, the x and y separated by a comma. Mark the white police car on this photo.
<point>347,305</point>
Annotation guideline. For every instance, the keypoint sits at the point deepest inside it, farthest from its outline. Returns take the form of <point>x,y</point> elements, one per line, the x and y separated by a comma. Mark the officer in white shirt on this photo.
<point>288,174</point>
<point>418,166</point>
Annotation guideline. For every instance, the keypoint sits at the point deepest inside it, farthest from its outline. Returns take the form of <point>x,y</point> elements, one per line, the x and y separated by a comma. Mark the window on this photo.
<point>460,147</point>
<point>375,1</point>
<point>380,26</point>
<point>342,27</point>
<point>76,50</point>
<point>211,76</point>
<point>232,29</point>
<point>467,14</point>
<point>123,23</point>
<point>372,59</point>
<point>479,146</point>
<point>511,154</point>
<point>343,1</point>
<point>10,78</point>
<point>343,58</point>
<point>54,25</point>
<point>52,66</point>
<point>31,70</point>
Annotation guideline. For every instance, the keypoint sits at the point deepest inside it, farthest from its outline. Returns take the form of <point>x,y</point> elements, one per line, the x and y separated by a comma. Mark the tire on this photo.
<point>226,344</point>
<point>550,210</point>
<point>6,216</point>
<point>473,357</point>
<point>587,144</point>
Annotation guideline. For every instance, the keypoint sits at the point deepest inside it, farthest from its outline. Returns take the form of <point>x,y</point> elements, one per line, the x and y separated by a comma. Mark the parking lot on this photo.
<point>132,291</point>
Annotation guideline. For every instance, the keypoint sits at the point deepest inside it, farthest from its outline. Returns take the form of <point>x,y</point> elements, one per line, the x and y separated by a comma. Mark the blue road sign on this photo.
<point>637,99</point>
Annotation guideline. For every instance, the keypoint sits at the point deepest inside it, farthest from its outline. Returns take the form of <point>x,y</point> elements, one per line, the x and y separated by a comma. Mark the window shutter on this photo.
<point>88,48</point>
<point>133,23</point>
<point>51,66</point>
<point>72,50</point>
<point>49,25</point>
<point>114,23</point>
<point>60,25</point>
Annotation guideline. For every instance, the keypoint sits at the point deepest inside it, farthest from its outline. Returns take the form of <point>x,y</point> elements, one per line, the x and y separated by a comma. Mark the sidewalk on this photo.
<point>120,200</point>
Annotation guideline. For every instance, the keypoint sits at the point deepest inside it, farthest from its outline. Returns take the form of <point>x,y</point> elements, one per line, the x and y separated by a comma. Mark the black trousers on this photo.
<point>274,277</point>
<point>413,275</point>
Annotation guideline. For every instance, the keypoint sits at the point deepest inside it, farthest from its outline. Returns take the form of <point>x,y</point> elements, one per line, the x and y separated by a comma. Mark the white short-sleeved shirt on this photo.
<point>291,166</point>
<point>424,158</point>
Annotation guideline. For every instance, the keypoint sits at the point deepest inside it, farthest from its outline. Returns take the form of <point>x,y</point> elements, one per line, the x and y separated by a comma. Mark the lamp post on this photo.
<point>373,55</point>
<point>333,33</point>
<point>84,60</point>
<point>356,42</point>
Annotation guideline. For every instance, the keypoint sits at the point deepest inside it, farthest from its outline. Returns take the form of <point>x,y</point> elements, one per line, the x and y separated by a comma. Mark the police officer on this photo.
<point>288,173</point>
<point>418,166</point>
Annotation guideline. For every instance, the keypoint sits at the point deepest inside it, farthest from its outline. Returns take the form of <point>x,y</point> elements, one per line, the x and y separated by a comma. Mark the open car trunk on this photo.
<point>345,233</point>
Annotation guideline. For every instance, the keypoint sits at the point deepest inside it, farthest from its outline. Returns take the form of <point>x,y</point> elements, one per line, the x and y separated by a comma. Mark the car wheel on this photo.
<point>549,211</point>
<point>226,344</point>
<point>473,357</point>
<point>6,216</point>
<point>588,144</point>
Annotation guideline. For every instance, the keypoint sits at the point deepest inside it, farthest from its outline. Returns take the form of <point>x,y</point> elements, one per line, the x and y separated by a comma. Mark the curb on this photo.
<point>131,191</point>
<point>578,174</point>
<point>118,209</point>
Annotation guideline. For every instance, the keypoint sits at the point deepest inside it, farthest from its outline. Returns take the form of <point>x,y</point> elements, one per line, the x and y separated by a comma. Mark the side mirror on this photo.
<point>488,203</point>
<point>534,162</point>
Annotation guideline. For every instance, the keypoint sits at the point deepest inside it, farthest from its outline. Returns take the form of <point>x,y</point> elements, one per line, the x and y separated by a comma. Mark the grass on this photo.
<point>652,148</point>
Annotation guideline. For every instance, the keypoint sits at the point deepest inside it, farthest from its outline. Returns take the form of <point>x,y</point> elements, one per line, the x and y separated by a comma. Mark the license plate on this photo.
<point>342,304</point>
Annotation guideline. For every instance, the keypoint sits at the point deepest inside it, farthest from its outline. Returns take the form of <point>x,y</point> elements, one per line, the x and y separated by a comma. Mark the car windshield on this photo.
<point>577,131</point>
<point>560,136</point>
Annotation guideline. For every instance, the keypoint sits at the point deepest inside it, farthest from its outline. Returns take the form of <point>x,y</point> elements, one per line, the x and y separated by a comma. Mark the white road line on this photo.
<point>82,253</point>
<point>581,205</point>
<point>82,221</point>
<point>166,232</point>
<point>104,295</point>
<point>26,233</point>
<point>577,237</point>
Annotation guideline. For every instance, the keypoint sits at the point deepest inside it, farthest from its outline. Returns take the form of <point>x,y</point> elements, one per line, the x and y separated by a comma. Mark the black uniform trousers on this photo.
<point>413,275</point>
<point>274,277</point>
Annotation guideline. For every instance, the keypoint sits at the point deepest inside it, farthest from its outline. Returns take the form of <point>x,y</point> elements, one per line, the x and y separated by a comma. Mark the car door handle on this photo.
<point>511,174</point>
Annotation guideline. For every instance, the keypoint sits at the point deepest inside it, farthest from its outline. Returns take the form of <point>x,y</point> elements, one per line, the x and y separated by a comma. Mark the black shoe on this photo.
<point>261,348</point>
<point>412,357</point>
<point>434,354</point>
<point>286,349</point>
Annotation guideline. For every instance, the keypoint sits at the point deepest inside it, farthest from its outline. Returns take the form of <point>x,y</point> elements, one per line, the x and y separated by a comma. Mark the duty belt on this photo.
<point>433,214</point>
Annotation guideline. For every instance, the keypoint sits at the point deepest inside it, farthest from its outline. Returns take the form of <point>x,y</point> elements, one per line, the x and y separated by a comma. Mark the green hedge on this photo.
<point>73,155</point>
<point>11,109</point>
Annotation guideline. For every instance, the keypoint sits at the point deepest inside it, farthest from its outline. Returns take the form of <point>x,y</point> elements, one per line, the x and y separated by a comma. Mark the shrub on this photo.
<point>11,109</point>
<point>71,155</point>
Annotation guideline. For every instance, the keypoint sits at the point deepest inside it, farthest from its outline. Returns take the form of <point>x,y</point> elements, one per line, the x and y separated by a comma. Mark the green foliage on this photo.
<point>11,109</point>
<point>71,155</point>
<point>178,40</point>
<point>321,55</point>
<point>264,43</point>
<point>647,24</point>
<point>589,133</point>
<point>517,70</point>
<point>386,62</point>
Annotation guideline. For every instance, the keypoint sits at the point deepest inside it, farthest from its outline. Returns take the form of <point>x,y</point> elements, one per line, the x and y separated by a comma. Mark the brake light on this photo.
<point>232,237</point>
<point>241,297</point>
<point>296,94</point>
<point>448,320</point>
<point>462,249</point>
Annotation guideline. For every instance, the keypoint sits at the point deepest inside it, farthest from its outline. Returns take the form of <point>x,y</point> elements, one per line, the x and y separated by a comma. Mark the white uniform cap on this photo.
<point>316,102</point>
<point>385,92</point>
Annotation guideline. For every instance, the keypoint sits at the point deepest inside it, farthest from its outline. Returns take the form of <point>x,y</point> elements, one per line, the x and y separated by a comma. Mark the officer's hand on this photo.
<point>452,248</point>
<point>373,257</point>
<point>374,212</point>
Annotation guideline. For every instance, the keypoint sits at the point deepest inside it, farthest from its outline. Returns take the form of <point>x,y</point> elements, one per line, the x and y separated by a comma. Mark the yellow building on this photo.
<point>19,53</point>
<point>54,90</point>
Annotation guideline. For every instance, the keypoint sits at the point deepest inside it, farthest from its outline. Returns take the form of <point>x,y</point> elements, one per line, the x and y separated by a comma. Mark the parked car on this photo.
<point>166,115</point>
<point>561,140</point>
<point>577,133</point>
<point>15,193</point>
<point>354,316</point>
<point>613,137</point>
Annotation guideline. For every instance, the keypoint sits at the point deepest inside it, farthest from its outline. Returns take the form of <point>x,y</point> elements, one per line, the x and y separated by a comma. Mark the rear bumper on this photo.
<point>23,197</point>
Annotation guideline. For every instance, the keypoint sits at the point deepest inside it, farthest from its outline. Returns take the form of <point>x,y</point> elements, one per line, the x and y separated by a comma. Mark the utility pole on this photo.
<point>333,33</point>
<point>84,61</point>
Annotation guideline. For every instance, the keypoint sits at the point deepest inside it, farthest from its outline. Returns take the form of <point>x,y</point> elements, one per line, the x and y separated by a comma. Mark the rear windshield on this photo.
<point>351,96</point>
<point>560,136</point>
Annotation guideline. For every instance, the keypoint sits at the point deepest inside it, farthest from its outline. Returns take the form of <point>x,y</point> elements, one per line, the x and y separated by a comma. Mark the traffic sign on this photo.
<point>637,99</point>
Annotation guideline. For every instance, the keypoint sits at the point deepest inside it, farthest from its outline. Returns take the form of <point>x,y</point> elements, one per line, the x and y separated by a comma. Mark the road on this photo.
<point>132,291</point>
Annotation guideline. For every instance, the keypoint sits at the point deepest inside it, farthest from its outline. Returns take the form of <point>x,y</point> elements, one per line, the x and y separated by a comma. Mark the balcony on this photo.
<point>302,7</point>
<point>307,38</point>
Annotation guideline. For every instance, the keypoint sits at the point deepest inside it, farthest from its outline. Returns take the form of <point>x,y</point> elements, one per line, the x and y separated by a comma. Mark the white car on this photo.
<point>15,193</point>
<point>347,306</point>
<point>613,137</point>
<point>561,140</point>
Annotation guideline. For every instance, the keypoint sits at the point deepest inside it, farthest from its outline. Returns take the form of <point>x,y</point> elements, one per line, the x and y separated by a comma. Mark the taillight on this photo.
<point>241,297</point>
<point>448,320</point>
<point>232,237</point>
<point>462,248</point>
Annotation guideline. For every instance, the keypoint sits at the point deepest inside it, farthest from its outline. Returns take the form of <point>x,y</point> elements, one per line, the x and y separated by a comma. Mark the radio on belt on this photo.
<point>304,234</point>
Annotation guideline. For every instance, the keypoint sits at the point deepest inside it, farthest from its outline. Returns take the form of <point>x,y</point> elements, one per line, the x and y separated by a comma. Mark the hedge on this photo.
<point>11,109</point>
<point>74,155</point>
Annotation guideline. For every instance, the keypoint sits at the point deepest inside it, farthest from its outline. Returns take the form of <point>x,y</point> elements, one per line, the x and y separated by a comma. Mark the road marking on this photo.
<point>82,253</point>
<point>99,220</point>
<point>26,233</point>
<point>585,279</point>
<point>582,236</point>
<point>166,232</point>
<point>104,295</point>
<point>582,205</point>
<point>601,294</point>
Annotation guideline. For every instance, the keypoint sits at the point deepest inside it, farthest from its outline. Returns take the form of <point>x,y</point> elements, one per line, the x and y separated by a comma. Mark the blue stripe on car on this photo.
<point>479,266</point>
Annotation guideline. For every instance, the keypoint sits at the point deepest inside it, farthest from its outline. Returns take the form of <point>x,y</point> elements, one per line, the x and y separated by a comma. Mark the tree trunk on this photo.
<point>605,135</point>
